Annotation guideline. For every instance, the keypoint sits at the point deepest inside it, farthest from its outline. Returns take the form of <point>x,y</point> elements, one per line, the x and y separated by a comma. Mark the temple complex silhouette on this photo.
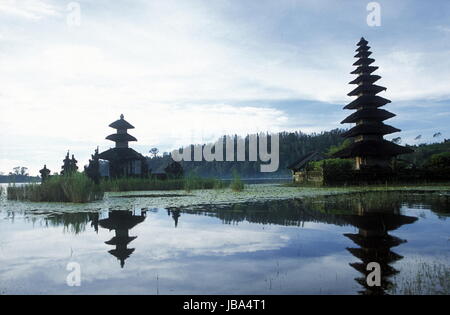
<point>123,161</point>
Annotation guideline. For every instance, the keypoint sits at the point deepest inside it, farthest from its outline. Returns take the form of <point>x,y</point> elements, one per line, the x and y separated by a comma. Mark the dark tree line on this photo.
<point>293,145</point>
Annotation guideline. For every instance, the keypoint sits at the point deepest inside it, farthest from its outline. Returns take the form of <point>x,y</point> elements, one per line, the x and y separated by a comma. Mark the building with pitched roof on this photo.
<point>123,160</point>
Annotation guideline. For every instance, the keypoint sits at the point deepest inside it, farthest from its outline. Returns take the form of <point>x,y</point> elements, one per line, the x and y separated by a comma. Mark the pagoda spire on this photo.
<point>369,147</point>
<point>121,137</point>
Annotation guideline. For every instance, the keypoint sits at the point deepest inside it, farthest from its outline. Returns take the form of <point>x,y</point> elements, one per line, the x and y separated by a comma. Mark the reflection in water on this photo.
<point>374,216</point>
<point>175,215</point>
<point>375,243</point>
<point>122,221</point>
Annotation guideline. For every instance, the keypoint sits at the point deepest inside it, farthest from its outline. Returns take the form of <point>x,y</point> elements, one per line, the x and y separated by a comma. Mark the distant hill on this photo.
<point>292,146</point>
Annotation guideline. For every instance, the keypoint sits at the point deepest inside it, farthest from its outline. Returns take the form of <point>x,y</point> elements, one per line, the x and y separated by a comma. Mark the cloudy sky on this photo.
<point>188,71</point>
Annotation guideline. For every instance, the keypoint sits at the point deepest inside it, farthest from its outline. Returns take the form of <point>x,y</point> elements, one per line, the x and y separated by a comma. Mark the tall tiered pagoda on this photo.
<point>374,243</point>
<point>123,161</point>
<point>369,148</point>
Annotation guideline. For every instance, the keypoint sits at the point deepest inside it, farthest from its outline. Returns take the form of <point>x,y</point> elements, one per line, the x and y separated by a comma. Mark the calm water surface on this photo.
<point>317,246</point>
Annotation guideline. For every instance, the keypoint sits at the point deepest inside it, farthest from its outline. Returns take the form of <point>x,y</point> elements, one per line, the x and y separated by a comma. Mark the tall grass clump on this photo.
<point>236,183</point>
<point>75,187</point>
<point>428,278</point>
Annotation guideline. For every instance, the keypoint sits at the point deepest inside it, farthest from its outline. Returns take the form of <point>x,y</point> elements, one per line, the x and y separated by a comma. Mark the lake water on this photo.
<point>289,246</point>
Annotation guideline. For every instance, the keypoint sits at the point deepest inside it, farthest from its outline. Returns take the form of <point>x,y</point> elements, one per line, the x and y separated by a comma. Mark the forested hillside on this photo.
<point>292,146</point>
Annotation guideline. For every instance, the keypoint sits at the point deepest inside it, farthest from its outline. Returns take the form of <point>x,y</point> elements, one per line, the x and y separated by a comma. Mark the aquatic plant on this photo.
<point>427,278</point>
<point>74,187</point>
<point>236,182</point>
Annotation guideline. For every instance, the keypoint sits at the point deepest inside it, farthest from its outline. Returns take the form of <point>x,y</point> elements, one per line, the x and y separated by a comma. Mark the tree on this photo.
<point>335,148</point>
<point>45,173</point>
<point>23,171</point>
<point>174,170</point>
<point>16,170</point>
<point>397,140</point>
<point>93,169</point>
<point>70,165</point>
<point>439,165</point>
<point>154,152</point>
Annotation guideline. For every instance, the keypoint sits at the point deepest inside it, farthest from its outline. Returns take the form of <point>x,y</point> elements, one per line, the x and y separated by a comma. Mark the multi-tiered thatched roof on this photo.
<point>369,117</point>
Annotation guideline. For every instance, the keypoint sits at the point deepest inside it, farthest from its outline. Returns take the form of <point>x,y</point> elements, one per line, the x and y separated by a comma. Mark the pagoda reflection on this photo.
<point>122,221</point>
<point>374,242</point>
<point>175,213</point>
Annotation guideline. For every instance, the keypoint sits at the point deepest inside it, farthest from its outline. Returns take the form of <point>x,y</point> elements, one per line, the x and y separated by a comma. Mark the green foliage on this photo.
<point>335,148</point>
<point>292,146</point>
<point>423,152</point>
<point>236,183</point>
<point>333,170</point>
<point>332,166</point>
<point>75,187</point>
<point>438,166</point>
<point>440,161</point>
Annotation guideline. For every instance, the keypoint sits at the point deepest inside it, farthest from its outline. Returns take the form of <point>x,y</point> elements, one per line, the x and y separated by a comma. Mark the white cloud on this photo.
<point>28,9</point>
<point>178,71</point>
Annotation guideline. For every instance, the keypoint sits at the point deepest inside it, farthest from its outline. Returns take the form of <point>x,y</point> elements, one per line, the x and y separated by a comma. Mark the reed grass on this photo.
<point>427,278</point>
<point>75,187</point>
<point>78,188</point>
<point>236,183</point>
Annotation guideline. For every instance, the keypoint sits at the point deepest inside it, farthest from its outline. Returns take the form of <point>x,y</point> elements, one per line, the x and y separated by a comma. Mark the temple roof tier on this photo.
<point>374,114</point>
<point>367,101</point>
<point>120,154</point>
<point>382,255</point>
<point>121,240</point>
<point>375,242</point>
<point>367,88</point>
<point>370,129</point>
<point>362,42</point>
<point>372,148</point>
<point>362,48</point>
<point>364,61</point>
<point>363,54</point>
<point>120,137</point>
<point>366,78</point>
<point>364,69</point>
<point>121,124</point>
<point>376,221</point>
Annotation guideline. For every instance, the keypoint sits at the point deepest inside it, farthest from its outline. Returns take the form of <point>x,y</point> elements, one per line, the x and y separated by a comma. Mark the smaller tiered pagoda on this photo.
<point>123,161</point>
<point>369,148</point>
<point>121,221</point>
